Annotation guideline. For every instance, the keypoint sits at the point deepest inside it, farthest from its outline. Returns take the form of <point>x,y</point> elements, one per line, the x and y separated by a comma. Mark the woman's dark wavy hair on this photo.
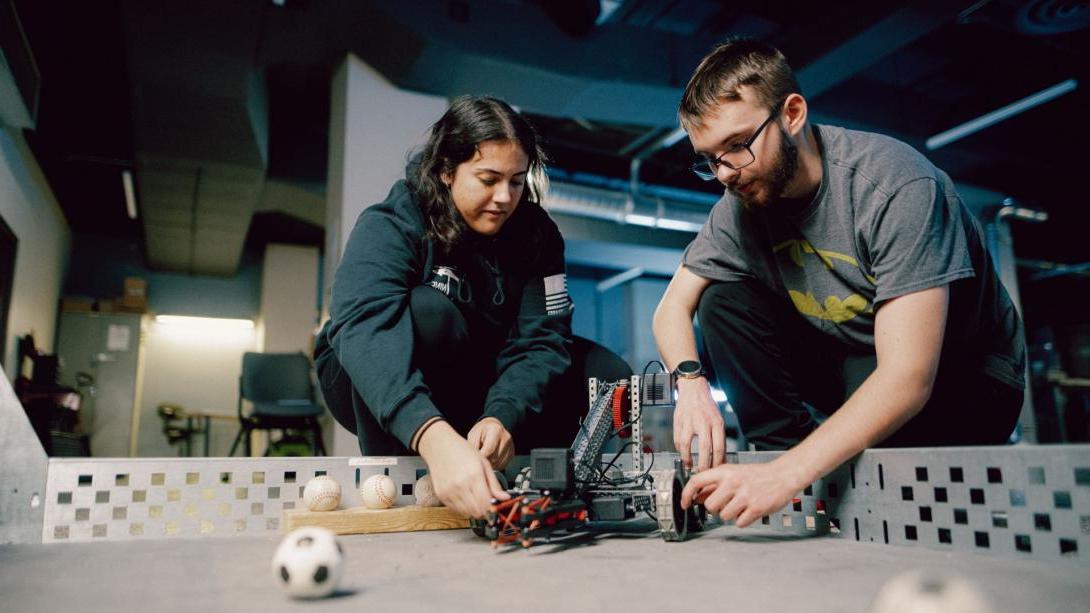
<point>470,121</point>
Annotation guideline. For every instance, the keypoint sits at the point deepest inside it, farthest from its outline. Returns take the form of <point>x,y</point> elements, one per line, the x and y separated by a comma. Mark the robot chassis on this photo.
<point>568,489</point>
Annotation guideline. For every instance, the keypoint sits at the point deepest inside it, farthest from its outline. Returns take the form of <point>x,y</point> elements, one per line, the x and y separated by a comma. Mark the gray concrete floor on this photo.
<point>629,569</point>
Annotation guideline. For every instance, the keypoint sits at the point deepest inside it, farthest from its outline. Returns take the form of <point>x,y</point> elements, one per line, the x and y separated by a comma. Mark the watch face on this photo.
<point>689,368</point>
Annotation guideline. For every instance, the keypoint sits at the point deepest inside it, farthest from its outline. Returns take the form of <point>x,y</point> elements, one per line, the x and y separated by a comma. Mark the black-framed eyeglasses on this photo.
<point>737,157</point>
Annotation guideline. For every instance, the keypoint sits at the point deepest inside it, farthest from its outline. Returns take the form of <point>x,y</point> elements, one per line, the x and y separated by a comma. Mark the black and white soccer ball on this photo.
<point>308,563</point>
<point>919,591</point>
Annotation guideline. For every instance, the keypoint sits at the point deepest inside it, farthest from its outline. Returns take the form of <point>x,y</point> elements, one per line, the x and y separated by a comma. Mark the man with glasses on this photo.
<point>844,294</point>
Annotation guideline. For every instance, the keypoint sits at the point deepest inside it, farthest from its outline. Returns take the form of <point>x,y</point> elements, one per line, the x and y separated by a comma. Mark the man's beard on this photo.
<point>784,168</point>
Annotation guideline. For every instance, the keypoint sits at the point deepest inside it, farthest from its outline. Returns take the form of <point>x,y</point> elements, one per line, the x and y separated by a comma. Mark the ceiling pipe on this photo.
<point>1054,268</point>
<point>1062,270</point>
<point>620,278</point>
<point>1001,114</point>
<point>636,189</point>
<point>617,205</point>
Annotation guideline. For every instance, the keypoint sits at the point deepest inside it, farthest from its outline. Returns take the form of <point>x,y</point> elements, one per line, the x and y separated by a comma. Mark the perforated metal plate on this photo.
<point>120,499</point>
<point>159,498</point>
<point>1018,501</point>
<point>1026,502</point>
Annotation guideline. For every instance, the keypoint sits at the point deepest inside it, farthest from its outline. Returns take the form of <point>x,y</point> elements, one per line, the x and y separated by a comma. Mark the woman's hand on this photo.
<point>493,441</point>
<point>462,477</point>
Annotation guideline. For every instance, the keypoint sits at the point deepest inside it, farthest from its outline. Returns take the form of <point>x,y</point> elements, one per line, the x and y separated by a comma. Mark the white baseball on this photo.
<point>378,492</point>
<point>322,493</point>
<point>425,493</point>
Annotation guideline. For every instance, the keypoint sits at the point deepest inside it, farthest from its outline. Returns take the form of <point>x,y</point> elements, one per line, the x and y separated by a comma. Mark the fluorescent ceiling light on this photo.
<point>130,193</point>
<point>998,115</point>
<point>677,224</point>
<point>640,220</point>
<point>204,322</point>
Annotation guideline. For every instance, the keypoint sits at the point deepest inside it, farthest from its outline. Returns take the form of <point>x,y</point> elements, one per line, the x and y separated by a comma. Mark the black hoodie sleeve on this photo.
<point>371,328</point>
<point>537,350</point>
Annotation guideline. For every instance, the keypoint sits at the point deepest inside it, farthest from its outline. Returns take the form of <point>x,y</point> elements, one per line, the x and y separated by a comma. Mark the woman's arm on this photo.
<point>371,330</point>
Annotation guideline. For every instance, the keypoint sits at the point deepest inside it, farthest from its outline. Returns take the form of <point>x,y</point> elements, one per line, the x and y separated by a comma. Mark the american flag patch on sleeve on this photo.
<point>556,294</point>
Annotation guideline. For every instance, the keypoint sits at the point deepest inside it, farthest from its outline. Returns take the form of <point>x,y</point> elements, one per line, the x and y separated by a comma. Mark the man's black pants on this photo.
<point>458,375</point>
<point>781,376</point>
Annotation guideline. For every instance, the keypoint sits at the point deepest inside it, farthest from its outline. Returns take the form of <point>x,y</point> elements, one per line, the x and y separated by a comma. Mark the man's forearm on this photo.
<point>673,330</point>
<point>876,410</point>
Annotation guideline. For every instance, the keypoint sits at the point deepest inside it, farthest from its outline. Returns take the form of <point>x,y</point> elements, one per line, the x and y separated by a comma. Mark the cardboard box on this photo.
<point>135,295</point>
<point>128,308</point>
<point>79,304</point>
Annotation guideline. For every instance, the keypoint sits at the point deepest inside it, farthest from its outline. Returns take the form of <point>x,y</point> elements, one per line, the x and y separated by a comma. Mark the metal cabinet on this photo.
<point>105,346</point>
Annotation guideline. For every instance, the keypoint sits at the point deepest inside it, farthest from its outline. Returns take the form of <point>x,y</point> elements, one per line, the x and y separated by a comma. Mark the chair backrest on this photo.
<point>276,378</point>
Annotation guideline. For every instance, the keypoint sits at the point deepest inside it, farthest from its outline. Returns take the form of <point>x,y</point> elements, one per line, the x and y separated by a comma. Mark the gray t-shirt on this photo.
<point>884,223</point>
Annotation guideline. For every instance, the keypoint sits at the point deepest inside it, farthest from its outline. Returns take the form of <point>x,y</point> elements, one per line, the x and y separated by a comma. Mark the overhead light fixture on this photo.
<point>130,193</point>
<point>945,138</point>
<point>640,220</point>
<point>204,322</point>
<point>677,224</point>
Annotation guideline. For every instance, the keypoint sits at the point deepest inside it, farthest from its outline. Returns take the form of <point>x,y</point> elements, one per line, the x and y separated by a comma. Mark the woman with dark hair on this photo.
<point>450,320</point>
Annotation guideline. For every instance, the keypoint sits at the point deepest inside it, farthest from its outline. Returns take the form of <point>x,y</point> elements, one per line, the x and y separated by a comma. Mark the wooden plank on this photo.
<point>361,520</point>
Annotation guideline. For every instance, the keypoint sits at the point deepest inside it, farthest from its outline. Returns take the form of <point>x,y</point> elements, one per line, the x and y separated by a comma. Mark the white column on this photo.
<point>289,297</point>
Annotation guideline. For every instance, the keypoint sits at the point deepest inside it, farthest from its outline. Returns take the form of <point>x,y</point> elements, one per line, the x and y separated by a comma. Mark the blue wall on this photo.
<point>100,264</point>
<point>619,318</point>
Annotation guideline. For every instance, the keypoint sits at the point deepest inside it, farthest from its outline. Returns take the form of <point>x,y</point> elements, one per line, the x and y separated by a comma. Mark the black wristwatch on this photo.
<point>688,369</point>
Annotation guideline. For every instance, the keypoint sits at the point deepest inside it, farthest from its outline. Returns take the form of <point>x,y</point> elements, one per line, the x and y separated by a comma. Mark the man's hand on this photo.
<point>696,414</point>
<point>493,441</point>
<point>462,477</point>
<point>742,492</point>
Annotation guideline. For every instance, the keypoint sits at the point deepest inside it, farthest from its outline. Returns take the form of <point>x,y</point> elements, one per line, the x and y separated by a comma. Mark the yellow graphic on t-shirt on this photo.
<point>835,309</point>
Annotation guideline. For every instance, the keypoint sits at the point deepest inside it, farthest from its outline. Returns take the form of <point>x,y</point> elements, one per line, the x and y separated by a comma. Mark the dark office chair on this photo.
<point>279,389</point>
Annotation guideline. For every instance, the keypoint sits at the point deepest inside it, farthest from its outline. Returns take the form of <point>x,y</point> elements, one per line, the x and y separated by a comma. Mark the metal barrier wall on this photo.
<point>1026,502</point>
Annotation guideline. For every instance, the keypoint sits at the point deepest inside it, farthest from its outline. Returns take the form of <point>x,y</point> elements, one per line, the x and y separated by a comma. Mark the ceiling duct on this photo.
<point>654,208</point>
<point>200,130</point>
<point>20,81</point>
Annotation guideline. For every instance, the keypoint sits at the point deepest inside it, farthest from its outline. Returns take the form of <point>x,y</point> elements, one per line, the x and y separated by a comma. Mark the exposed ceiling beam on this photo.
<point>900,29</point>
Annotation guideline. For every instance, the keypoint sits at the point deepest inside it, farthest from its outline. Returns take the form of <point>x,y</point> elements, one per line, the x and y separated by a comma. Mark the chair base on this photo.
<point>309,425</point>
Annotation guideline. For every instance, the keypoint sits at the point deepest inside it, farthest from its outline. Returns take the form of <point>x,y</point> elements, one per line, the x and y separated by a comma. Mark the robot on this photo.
<point>567,489</point>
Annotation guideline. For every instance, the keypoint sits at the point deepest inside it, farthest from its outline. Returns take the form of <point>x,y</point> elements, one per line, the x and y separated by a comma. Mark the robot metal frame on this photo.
<point>565,490</point>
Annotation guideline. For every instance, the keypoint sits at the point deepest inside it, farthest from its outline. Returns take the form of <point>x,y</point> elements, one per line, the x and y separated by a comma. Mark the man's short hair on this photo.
<point>730,65</point>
